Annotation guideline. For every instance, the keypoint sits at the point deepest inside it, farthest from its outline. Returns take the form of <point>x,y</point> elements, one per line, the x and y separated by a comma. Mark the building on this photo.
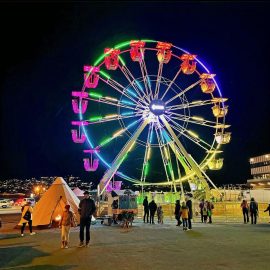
<point>260,171</point>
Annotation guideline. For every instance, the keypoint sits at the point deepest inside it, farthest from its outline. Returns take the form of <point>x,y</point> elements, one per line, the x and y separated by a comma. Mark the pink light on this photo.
<point>90,76</point>
<point>92,151</point>
<point>79,94</point>
<point>79,123</point>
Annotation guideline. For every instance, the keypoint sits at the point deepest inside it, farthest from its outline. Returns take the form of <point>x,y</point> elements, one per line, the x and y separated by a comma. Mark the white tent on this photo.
<point>52,204</point>
<point>78,192</point>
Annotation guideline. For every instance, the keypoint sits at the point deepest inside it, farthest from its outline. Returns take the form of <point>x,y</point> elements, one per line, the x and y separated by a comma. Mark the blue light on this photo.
<point>132,92</point>
<point>139,85</point>
<point>124,101</point>
<point>166,136</point>
<point>127,113</point>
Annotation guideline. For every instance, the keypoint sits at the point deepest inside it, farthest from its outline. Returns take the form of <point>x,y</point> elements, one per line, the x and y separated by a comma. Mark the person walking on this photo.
<point>201,206</point>
<point>146,210</point>
<point>190,212</point>
<point>87,208</point>
<point>184,214</point>
<point>268,209</point>
<point>66,222</point>
<point>244,206</point>
<point>152,209</point>
<point>253,208</point>
<point>26,217</point>
<point>177,213</point>
<point>160,214</point>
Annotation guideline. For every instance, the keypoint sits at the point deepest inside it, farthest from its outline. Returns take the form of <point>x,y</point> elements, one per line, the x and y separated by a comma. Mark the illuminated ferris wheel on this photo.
<point>153,114</point>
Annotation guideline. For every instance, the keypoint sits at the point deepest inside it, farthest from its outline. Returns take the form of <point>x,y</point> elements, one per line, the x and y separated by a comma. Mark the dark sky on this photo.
<point>45,45</point>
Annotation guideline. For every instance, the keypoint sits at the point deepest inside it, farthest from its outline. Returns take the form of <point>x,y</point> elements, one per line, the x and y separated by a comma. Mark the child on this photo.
<point>66,222</point>
<point>160,214</point>
<point>184,213</point>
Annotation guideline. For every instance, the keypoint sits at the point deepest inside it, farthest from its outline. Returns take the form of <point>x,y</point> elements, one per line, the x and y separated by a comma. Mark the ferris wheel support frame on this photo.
<point>104,182</point>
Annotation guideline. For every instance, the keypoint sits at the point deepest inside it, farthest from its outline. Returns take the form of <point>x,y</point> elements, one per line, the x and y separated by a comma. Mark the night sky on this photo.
<point>44,47</point>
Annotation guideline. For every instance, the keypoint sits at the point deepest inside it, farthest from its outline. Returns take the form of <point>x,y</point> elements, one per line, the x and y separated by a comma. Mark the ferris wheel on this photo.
<point>152,114</point>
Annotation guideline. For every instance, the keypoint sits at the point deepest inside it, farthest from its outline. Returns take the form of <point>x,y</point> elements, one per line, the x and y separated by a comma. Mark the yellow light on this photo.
<point>268,183</point>
<point>197,118</point>
<point>58,218</point>
<point>261,184</point>
<point>149,153</point>
<point>166,153</point>
<point>196,102</point>
<point>118,132</point>
<point>111,99</point>
<point>131,146</point>
<point>252,159</point>
<point>267,156</point>
<point>193,134</point>
<point>110,116</point>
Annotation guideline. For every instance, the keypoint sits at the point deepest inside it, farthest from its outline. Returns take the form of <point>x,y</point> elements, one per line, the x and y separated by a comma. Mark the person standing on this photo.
<point>160,214</point>
<point>184,214</point>
<point>66,222</point>
<point>177,212</point>
<point>26,217</point>
<point>268,209</point>
<point>253,208</point>
<point>146,210</point>
<point>201,206</point>
<point>244,206</point>
<point>87,208</point>
<point>152,209</point>
<point>190,212</point>
<point>210,207</point>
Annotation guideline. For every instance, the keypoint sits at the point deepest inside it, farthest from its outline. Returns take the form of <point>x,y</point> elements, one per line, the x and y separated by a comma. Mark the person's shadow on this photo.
<point>20,257</point>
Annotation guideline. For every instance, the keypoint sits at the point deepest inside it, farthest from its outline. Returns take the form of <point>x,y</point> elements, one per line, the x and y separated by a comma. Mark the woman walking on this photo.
<point>244,206</point>
<point>26,217</point>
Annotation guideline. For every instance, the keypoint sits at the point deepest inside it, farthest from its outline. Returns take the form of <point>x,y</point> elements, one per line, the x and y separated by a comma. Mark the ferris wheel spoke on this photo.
<point>183,151</point>
<point>111,83</point>
<point>160,67</point>
<point>146,80</point>
<point>132,80</point>
<point>186,119</point>
<point>196,103</point>
<point>193,119</point>
<point>183,92</point>
<point>145,167</point>
<point>189,134</point>
<point>104,182</point>
<point>108,118</point>
<point>161,145</point>
<point>118,133</point>
<point>106,100</point>
<point>171,83</point>
<point>194,140</point>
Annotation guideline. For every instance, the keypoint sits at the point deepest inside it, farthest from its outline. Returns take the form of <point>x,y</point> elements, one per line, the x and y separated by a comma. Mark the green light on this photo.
<point>95,118</point>
<point>122,61</point>
<point>99,59</point>
<point>148,40</point>
<point>146,169</point>
<point>107,76</point>
<point>123,158</point>
<point>95,95</point>
<point>105,141</point>
<point>121,45</point>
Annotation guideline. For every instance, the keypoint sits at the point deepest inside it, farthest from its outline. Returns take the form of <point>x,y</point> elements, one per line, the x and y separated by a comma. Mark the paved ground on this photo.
<point>144,246</point>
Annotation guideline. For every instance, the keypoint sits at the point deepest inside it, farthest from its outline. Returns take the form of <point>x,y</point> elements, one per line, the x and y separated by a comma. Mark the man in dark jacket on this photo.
<point>253,209</point>
<point>190,214</point>
<point>152,209</point>
<point>87,208</point>
<point>146,209</point>
<point>177,212</point>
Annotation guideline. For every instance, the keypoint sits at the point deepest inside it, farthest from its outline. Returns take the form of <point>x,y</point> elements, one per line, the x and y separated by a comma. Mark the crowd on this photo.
<point>183,214</point>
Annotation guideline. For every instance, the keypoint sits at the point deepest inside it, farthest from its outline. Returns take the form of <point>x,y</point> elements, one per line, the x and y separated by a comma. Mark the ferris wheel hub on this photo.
<point>157,107</point>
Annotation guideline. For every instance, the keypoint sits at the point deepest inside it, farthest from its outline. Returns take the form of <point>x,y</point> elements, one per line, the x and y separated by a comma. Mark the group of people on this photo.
<point>184,211</point>
<point>152,208</point>
<point>206,211</point>
<point>251,210</point>
<point>87,208</point>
